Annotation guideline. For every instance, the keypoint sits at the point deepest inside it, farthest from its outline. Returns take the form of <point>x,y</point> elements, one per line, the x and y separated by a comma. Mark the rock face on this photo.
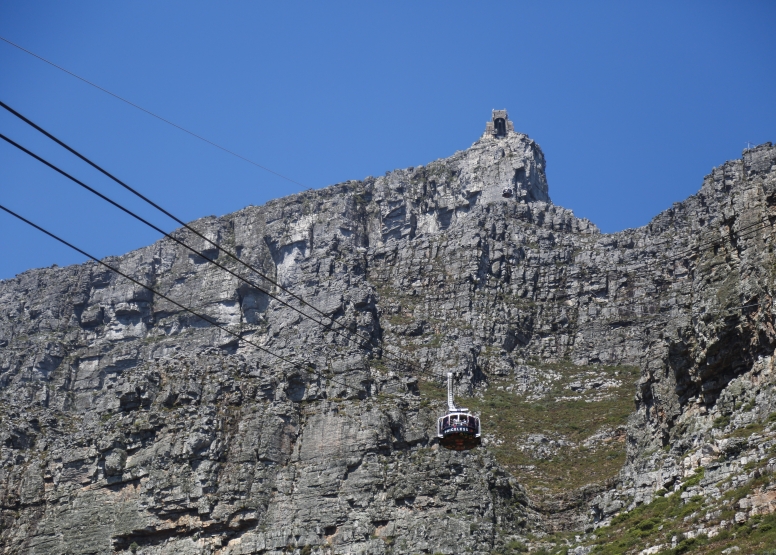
<point>129,425</point>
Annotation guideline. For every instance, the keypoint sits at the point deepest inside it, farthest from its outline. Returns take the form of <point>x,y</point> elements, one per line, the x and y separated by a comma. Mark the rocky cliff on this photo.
<point>607,369</point>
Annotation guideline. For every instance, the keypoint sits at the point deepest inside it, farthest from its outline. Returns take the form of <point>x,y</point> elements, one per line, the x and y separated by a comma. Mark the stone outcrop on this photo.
<point>129,425</point>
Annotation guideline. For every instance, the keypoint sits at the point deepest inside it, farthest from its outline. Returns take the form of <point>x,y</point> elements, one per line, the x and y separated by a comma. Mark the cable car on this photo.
<point>507,192</point>
<point>458,430</point>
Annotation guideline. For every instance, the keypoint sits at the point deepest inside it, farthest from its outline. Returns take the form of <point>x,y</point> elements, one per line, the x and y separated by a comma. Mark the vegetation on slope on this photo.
<point>559,439</point>
<point>703,515</point>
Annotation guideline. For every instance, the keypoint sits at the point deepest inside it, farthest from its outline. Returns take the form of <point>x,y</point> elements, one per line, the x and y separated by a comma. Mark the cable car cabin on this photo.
<point>507,192</point>
<point>458,430</point>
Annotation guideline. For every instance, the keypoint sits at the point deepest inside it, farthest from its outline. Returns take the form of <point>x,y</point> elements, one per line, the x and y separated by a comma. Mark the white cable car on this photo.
<point>507,192</point>
<point>458,430</point>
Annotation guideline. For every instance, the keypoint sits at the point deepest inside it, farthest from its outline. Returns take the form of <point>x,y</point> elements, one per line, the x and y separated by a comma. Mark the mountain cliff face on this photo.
<point>129,425</point>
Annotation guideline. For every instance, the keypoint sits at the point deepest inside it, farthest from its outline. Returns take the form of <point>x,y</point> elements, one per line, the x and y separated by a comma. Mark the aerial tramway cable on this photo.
<point>220,247</point>
<point>170,215</point>
<point>209,259</point>
<point>150,113</point>
<point>191,311</point>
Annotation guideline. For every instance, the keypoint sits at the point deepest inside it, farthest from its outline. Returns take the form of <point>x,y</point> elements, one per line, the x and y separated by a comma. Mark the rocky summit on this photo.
<point>625,381</point>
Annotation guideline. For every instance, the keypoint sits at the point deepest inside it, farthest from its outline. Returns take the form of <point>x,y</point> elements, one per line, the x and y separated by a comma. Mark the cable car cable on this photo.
<point>179,305</point>
<point>332,320</point>
<point>146,222</point>
<point>163,211</point>
<point>150,113</point>
<point>204,256</point>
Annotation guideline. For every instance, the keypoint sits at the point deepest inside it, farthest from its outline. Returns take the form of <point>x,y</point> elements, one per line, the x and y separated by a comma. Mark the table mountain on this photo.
<point>611,372</point>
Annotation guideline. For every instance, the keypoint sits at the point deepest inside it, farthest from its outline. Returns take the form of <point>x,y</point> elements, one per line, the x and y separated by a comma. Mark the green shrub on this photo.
<point>695,479</point>
<point>515,546</point>
<point>684,546</point>
<point>722,422</point>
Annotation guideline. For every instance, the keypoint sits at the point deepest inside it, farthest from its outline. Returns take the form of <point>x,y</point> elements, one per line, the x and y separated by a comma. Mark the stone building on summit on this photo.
<point>500,125</point>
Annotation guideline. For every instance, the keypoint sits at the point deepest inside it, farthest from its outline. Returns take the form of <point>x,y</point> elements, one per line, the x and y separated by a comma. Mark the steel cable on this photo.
<point>203,255</point>
<point>150,113</point>
<point>191,311</point>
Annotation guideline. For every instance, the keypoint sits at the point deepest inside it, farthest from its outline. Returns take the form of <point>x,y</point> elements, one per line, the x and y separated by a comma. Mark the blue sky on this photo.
<point>632,103</point>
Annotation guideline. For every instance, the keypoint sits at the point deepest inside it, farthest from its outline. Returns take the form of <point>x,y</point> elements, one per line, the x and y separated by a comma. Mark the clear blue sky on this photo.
<point>632,102</point>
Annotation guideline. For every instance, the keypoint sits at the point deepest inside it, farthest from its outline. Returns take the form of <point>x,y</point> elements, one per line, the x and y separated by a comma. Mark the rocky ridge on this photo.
<point>131,426</point>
